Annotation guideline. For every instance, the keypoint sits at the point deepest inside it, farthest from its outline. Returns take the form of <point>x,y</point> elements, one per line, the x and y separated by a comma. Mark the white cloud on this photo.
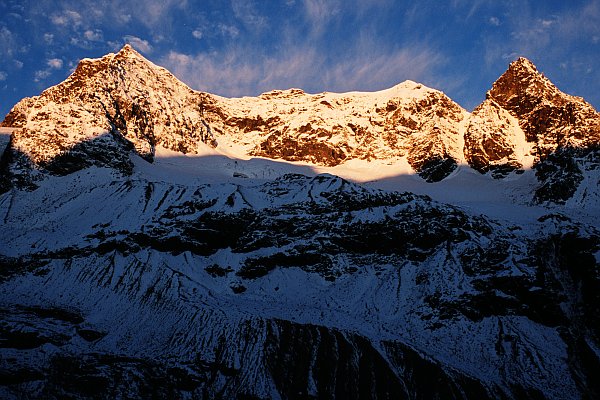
<point>55,63</point>
<point>48,38</point>
<point>95,35</point>
<point>115,45</point>
<point>41,75</point>
<point>245,11</point>
<point>495,21</point>
<point>123,18</point>
<point>139,44</point>
<point>366,67</point>
<point>8,44</point>
<point>228,30</point>
<point>210,28</point>
<point>547,22</point>
<point>3,76</point>
<point>67,18</point>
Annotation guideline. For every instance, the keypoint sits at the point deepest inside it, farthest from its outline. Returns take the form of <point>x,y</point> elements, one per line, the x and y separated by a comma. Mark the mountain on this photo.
<point>524,122</point>
<point>162,242</point>
<point>124,95</point>
<point>525,115</point>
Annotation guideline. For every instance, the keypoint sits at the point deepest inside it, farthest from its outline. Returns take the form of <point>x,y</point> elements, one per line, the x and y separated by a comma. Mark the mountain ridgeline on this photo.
<point>160,242</point>
<point>123,102</point>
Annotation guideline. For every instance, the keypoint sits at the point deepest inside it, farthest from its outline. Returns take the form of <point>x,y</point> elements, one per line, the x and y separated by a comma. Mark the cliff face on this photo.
<point>118,99</point>
<point>122,102</point>
<point>495,142</point>
<point>125,95</point>
<point>550,119</point>
<point>527,122</point>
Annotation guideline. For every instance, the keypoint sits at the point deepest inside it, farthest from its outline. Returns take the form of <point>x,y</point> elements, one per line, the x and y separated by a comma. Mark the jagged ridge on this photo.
<point>523,120</point>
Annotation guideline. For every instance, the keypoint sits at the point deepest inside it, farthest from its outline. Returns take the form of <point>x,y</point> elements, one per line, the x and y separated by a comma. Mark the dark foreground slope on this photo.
<point>293,288</point>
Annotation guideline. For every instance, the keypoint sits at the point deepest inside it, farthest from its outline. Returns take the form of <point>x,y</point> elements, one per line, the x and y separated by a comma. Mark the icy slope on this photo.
<point>227,284</point>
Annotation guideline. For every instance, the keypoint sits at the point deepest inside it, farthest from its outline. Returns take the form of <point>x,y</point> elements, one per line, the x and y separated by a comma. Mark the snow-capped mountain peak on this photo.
<point>122,101</point>
<point>125,96</point>
<point>522,86</point>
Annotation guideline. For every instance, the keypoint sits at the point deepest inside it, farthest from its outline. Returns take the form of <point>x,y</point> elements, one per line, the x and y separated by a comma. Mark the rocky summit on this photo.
<point>160,242</point>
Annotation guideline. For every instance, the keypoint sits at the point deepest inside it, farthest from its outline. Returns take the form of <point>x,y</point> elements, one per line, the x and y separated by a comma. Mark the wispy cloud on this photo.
<point>79,15</point>
<point>3,76</point>
<point>54,63</point>
<point>495,21</point>
<point>470,7</point>
<point>213,28</point>
<point>41,75</point>
<point>384,69</point>
<point>241,71</point>
<point>227,30</point>
<point>94,35</point>
<point>245,11</point>
<point>319,13</point>
<point>66,18</point>
<point>48,38</point>
<point>152,12</point>
<point>8,43</point>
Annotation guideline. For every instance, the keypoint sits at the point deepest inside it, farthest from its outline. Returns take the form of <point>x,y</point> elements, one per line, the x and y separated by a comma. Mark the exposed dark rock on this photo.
<point>436,170</point>
<point>340,365</point>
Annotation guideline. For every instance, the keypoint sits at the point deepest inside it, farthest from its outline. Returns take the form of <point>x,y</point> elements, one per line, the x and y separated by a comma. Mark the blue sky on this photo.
<point>245,47</point>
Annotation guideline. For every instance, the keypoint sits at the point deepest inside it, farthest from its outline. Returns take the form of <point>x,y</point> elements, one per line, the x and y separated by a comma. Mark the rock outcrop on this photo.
<point>526,122</point>
<point>123,102</point>
<point>124,96</point>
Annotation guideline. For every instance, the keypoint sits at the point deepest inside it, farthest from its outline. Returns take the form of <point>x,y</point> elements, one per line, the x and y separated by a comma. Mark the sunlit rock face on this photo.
<point>526,122</point>
<point>161,242</point>
<point>123,102</point>
<point>549,117</point>
<point>125,96</point>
